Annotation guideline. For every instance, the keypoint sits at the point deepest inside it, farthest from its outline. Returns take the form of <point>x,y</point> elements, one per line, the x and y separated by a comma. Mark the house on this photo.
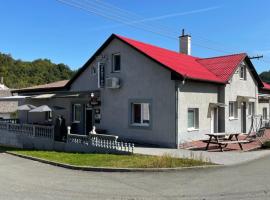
<point>7,108</point>
<point>264,102</point>
<point>147,94</point>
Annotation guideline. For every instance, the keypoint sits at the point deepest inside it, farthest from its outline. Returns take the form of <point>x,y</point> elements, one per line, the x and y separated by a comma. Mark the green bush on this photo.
<point>266,145</point>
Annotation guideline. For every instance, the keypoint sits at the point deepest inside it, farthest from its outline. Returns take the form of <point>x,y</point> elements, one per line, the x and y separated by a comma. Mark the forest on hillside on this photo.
<point>20,74</point>
<point>265,76</point>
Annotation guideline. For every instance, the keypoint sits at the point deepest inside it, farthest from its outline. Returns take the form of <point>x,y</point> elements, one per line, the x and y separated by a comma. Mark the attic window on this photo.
<point>242,72</point>
<point>116,62</point>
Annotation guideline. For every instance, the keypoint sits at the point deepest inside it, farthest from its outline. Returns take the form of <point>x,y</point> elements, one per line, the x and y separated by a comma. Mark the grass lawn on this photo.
<point>110,160</point>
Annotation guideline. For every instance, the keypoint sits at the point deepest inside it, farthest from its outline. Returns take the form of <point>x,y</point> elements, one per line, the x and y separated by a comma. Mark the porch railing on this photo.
<point>100,143</point>
<point>12,121</point>
<point>29,129</point>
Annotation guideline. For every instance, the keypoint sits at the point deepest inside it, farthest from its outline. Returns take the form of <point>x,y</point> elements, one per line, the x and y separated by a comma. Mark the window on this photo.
<point>193,118</point>
<point>233,111</point>
<point>140,114</point>
<point>251,108</point>
<point>116,62</point>
<point>265,116</point>
<point>77,110</point>
<point>48,116</point>
<point>93,71</point>
<point>243,72</point>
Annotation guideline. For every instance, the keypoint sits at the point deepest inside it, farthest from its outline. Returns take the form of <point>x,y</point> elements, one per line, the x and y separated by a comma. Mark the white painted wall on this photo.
<point>195,95</point>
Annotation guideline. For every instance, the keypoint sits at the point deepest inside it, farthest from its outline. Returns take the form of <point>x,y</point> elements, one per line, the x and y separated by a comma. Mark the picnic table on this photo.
<point>223,139</point>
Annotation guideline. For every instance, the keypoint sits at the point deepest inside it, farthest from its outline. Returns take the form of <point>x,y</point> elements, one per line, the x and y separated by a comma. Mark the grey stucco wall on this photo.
<point>195,95</point>
<point>141,79</point>
<point>239,87</point>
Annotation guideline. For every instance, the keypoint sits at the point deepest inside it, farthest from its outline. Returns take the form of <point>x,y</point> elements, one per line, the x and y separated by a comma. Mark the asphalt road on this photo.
<point>25,179</point>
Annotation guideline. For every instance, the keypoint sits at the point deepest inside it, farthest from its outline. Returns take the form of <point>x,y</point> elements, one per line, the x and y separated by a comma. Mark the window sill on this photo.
<point>139,126</point>
<point>192,129</point>
<point>232,118</point>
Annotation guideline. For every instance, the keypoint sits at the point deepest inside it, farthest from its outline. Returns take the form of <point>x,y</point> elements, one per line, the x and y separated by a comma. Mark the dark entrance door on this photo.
<point>243,116</point>
<point>88,120</point>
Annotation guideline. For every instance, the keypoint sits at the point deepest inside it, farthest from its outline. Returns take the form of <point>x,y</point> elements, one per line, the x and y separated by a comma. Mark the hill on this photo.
<point>265,76</point>
<point>20,74</point>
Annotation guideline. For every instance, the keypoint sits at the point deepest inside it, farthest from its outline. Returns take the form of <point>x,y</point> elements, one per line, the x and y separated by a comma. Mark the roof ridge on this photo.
<point>123,37</point>
<point>235,54</point>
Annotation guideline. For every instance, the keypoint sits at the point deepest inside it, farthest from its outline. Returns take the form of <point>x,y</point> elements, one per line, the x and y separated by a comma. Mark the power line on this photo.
<point>125,17</point>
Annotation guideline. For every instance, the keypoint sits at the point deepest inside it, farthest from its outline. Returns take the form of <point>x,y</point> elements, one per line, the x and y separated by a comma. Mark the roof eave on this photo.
<point>38,90</point>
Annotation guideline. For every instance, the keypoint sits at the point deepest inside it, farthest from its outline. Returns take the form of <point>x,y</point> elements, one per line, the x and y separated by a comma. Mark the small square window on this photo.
<point>193,118</point>
<point>116,62</point>
<point>242,72</point>
<point>265,114</point>
<point>140,114</point>
<point>77,111</point>
<point>251,108</point>
<point>93,71</point>
<point>48,116</point>
<point>233,110</point>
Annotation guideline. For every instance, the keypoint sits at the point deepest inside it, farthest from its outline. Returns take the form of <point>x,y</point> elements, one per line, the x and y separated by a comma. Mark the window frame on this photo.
<point>242,71</point>
<point>196,119</point>
<point>48,116</point>
<point>233,114</point>
<point>131,111</point>
<point>251,109</point>
<point>113,62</point>
<point>263,116</point>
<point>74,120</point>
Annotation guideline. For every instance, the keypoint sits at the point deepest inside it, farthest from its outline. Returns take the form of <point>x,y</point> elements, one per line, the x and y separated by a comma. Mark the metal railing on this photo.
<point>100,143</point>
<point>29,129</point>
<point>12,121</point>
<point>44,131</point>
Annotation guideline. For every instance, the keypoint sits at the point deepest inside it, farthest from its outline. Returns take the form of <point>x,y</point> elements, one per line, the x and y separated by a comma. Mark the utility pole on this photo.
<point>255,57</point>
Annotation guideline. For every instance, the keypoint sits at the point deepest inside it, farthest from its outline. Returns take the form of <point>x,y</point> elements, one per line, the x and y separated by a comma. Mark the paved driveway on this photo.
<point>25,179</point>
<point>224,158</point>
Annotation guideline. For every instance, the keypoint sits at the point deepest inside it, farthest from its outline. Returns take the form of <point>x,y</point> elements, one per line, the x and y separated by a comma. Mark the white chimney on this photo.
<point>185,43</point>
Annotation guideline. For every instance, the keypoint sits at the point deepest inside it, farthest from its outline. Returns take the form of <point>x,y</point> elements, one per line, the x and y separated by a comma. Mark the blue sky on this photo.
<point>32,29</point>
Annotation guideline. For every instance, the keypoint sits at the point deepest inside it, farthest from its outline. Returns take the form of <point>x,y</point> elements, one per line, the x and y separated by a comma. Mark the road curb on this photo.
<point>108,169</point>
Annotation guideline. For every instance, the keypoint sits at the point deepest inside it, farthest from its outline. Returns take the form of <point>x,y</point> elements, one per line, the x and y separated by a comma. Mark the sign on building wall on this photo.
<point>101,75</point>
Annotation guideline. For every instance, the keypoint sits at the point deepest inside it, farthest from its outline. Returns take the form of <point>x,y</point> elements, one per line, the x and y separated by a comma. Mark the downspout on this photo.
<point>176,114</point>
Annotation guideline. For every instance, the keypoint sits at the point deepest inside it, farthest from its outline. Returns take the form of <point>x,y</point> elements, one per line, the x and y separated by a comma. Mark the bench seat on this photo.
<point>233,142</point>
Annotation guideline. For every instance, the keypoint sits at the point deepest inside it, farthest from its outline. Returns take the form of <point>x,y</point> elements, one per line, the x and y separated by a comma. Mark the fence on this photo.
<point>29,129</point>
<point>100,143</point>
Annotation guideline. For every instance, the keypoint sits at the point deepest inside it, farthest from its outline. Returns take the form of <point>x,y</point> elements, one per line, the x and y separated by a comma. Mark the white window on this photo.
<point>116,62</point>
<point>140,114</point>
<point>251,108</point>
<point>93,70</point>
<point>193,118</point>
<point>77,112</point>
<point>265,114</point>
<point>233,111</point>
<point>48,116</point>
<point>242,72</point>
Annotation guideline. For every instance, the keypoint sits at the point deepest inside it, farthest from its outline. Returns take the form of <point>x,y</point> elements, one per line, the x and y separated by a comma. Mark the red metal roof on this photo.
<point>216,69</point>
<point>266,86</point>
<point>223,66</point>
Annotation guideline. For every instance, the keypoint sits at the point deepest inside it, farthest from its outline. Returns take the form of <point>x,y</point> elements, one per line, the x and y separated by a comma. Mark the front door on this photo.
<point>214,120</point>
<point>88,120</point>
<point>243,117</point>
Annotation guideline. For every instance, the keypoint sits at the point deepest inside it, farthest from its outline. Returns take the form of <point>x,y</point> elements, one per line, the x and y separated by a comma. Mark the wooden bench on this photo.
<point>233,142</point>
<point>223,139</point>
